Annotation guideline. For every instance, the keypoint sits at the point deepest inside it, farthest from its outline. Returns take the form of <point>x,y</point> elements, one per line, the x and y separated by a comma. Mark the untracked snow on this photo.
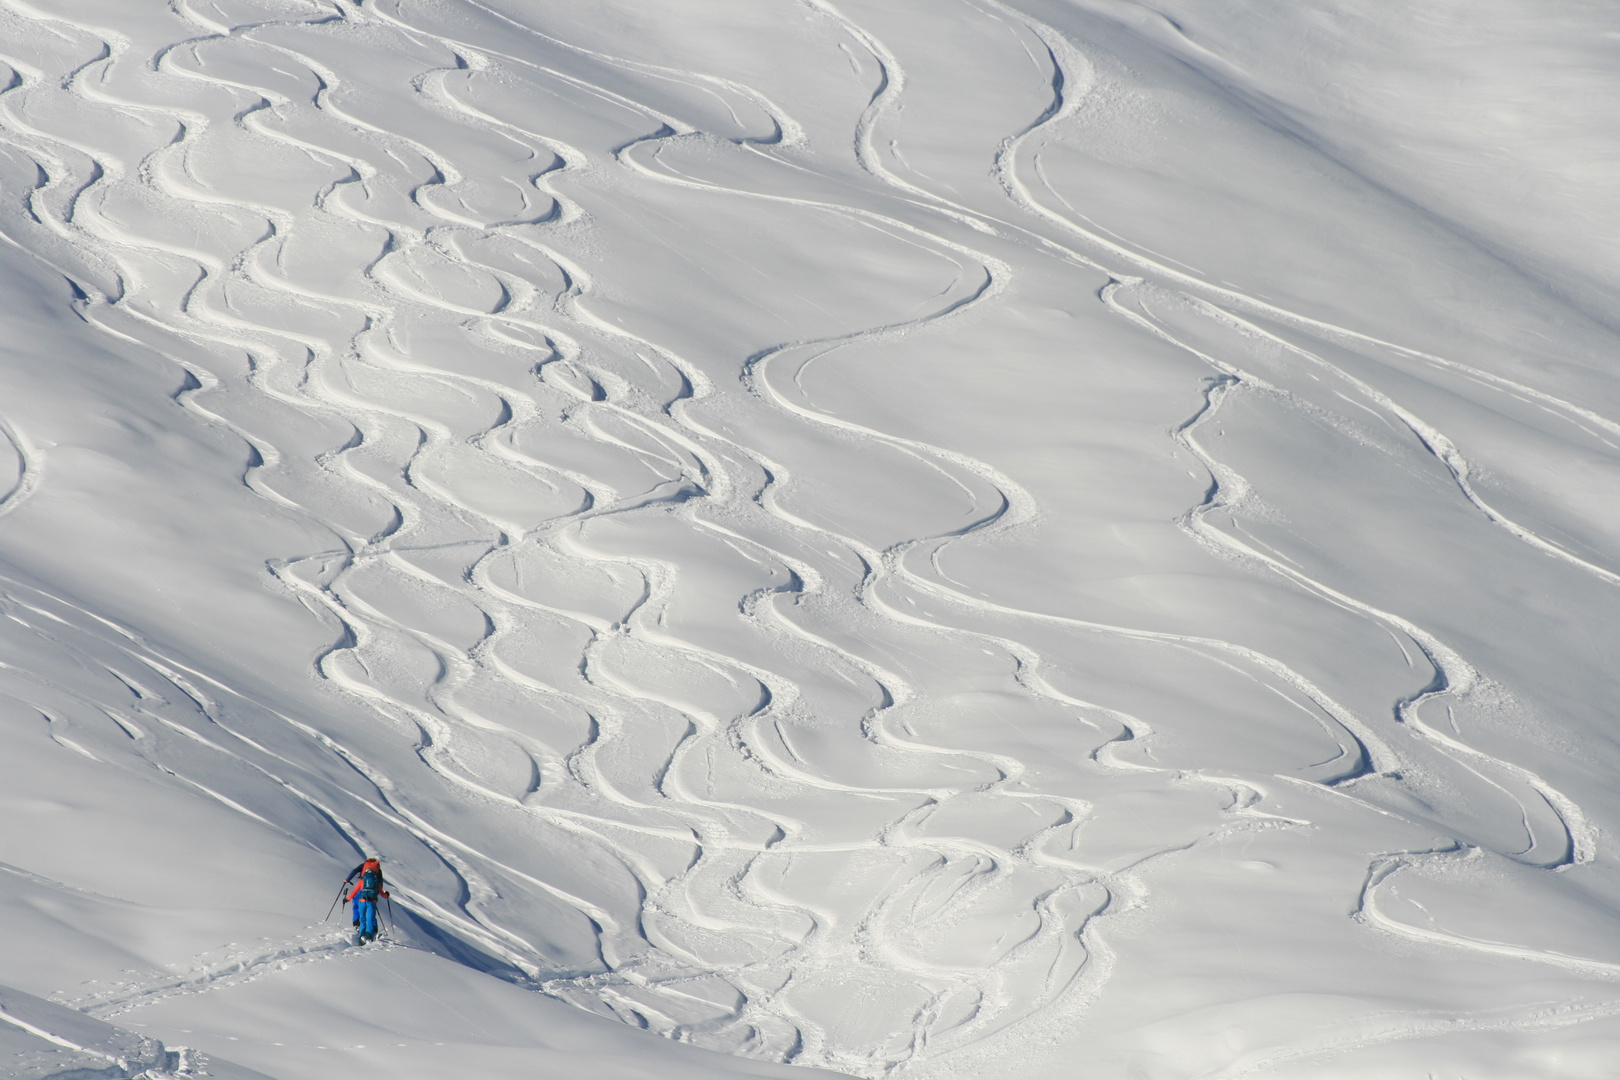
<point>925,538</point>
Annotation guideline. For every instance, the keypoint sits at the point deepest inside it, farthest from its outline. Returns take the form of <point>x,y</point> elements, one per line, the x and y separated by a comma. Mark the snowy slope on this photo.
<point>931,538</point>
<point>40,1038</point>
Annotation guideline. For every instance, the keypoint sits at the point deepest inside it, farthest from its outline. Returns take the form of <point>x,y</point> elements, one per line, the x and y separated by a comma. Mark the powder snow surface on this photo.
<point>927,538</point>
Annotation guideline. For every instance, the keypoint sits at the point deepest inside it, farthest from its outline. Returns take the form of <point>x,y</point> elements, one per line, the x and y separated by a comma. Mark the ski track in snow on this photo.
<point>24,468</point>
<point>710,869</point>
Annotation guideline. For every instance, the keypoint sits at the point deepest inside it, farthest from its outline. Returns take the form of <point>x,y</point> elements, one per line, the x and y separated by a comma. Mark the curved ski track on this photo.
<point>717,942</point>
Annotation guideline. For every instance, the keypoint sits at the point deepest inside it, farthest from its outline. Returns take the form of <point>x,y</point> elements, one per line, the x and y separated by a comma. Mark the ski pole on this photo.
<point>390,904</point>
<point>335,900</point>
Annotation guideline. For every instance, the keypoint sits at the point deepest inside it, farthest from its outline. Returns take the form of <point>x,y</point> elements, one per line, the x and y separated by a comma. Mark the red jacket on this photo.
<point>369,864</point>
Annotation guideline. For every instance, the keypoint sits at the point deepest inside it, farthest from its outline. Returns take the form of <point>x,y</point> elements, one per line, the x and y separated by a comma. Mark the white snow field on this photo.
<point>916,538</point>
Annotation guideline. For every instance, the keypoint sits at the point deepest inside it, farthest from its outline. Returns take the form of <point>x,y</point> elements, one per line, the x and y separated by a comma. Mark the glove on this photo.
<point>385,893</point>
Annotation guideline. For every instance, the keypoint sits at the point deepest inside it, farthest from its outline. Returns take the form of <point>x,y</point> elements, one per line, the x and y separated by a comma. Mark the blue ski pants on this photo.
<point>365,912</point>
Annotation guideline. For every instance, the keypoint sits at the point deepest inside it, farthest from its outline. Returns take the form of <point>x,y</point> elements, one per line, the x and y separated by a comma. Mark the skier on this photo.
<point>368,886</point>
